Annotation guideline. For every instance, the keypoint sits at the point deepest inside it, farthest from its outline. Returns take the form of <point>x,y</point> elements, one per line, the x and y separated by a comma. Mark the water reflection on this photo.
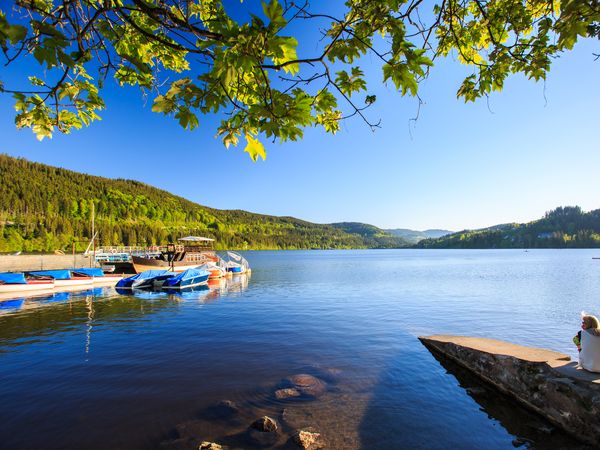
<point>203,293</point>
<point>11,305</point>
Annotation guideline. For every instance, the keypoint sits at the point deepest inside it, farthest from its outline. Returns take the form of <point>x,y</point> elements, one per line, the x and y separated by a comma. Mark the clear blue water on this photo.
<point>100,370</point>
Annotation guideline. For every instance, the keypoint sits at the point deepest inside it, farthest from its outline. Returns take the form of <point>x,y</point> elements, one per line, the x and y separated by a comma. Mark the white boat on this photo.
<point>216,269</point>
<point>236,264</point>
<point>16,282</point>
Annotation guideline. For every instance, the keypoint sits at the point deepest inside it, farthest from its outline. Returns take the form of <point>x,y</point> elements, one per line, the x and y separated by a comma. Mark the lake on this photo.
<point>100,370</point>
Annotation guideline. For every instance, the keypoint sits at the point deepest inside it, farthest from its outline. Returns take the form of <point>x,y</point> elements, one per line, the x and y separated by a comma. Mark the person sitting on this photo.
<point>588,343</point>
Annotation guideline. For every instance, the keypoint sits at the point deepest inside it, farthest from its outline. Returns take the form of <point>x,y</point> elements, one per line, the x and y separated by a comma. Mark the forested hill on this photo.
<point>564,227</point>
<point>413,236</point>
<point>44,208</point>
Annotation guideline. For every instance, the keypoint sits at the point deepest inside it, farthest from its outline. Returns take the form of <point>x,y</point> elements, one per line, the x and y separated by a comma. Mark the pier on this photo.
<point>544,381</point>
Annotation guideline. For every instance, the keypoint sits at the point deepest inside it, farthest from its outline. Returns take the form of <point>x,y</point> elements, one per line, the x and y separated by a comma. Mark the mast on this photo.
<point>93,263</point>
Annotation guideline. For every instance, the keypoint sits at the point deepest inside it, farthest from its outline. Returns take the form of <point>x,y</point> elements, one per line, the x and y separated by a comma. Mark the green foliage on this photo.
<point>562,227</point>
<point>44,208</point>
<point>191,57</point>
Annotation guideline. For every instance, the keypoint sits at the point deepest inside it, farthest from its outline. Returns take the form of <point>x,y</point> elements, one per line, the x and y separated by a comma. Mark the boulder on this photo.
<point>307,385</point>
<point>309,439</point>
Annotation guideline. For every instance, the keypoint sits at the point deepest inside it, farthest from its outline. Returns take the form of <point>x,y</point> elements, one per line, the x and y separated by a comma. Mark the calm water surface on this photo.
<point>100,370</point>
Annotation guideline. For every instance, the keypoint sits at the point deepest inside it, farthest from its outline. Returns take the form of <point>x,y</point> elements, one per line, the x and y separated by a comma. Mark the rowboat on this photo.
<point>186,279</point>
<point>64,277</point>
<point>16,282</point>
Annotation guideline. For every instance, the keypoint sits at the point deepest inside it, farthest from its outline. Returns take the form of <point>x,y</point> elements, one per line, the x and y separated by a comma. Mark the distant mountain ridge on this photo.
<point>45,208</point>
<point>414,236</point>
<point>369,232</point>
<point>563,227</point>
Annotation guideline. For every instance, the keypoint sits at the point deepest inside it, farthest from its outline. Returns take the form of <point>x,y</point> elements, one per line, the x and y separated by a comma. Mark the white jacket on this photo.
<point>589,357</point>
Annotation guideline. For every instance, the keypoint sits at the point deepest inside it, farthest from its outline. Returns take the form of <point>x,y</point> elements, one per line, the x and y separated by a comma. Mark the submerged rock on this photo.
<point>263,432</point>
<point>519,442</point>
<point>225,409</point>
<point>265,424</point>
<point>307,385</point>
<point>210,446</point>
<point>297,418</point>
<point>282,394</point>
<point>309,439</point>
<point>476,391</point>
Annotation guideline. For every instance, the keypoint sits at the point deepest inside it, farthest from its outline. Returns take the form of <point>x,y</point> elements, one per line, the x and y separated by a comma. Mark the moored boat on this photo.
<point>16,282</point>
<point>139,279</point>
<point>64,277</point>
<point>193,252</point>
<point>236,264</point>
<point>187,279</point>
<point>98,275</point>
<point>216,269</point>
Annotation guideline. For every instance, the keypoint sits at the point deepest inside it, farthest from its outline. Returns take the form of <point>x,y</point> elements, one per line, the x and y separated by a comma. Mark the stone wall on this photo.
<point>23,263</point>
<point>545,381</point>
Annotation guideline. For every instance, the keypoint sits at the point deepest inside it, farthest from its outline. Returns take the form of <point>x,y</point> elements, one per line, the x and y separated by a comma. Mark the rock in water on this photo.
<point>263,432</point>
<point>282,394</point>
<point>227,408</point>
<point>307,385</point>
<point>264,424</point>
<point>309,439</point>
<point>210,446</point>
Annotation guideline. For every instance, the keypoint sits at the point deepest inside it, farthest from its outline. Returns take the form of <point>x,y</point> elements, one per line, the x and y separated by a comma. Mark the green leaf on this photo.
<point>15,33</point>
<point>274,11</point>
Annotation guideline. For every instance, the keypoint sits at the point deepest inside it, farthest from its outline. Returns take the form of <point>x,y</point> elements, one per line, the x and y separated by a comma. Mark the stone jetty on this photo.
<point>544,381</point>
<point>24,263</point>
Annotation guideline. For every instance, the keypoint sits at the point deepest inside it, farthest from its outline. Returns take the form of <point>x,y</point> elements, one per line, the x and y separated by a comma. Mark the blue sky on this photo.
<point>528,149</point>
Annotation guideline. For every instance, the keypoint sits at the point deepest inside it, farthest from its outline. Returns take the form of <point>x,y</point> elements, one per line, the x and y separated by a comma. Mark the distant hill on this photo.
<point>563,227</point>
<point>413,236</point>
<point>375,236</point>
<point>45,208</point>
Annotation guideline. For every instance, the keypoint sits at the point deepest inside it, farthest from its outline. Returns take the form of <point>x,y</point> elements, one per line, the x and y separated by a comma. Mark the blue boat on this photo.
<point>98,275</point>
<point>140,280</point>
<point>65,277</point>
<point>186,279</point>
<point>90,271</point>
